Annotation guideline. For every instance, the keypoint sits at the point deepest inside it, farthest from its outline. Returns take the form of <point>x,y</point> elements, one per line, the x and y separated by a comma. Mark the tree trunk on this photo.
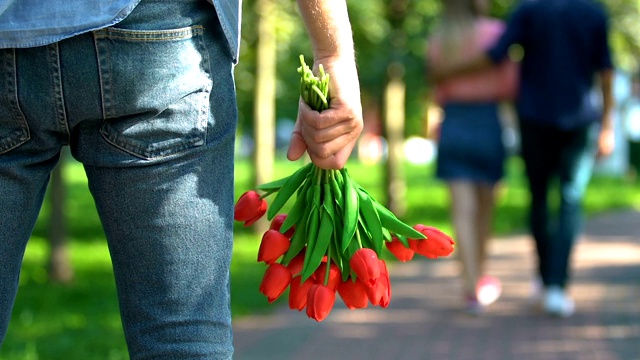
<point>394,109</point>
<point>59,266</point>
<point>394,119</point>
<point>265,98</point>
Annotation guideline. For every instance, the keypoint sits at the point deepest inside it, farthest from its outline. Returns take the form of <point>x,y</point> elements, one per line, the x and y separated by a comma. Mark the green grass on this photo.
<point>81,320</point>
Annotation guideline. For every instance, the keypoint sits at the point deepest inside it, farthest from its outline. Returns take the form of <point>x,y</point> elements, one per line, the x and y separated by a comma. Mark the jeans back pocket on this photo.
<point>14,130</point>
<point>156,87</point>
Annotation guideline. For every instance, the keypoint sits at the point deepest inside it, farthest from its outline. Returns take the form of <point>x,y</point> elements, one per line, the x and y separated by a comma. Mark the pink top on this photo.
<point>495,84</point>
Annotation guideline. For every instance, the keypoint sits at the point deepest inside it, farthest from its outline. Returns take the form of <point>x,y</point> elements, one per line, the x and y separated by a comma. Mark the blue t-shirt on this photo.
<point>29,23</point>
<point>565,44</point>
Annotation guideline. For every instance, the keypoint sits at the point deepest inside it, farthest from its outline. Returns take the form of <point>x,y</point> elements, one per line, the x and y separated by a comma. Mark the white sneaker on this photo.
<point>556,302</point>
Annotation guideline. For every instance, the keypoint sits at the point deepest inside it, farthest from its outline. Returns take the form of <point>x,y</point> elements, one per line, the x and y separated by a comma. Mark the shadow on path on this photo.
<point>424,320</point>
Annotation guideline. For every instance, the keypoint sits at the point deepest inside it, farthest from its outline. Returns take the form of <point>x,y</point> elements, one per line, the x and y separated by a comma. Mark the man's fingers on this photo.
<point>313,136</point>
<point>329,148</point>
<point>337,160</point>
<point>297,146</point>
<point>328,118</point>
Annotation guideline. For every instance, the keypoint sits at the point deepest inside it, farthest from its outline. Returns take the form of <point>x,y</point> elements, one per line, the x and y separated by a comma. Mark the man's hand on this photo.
<point>606,142</point>
<point>330,136</point>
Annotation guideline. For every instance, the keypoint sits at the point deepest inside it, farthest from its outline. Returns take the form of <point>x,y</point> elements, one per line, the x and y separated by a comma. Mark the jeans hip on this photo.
<point>149,107</point>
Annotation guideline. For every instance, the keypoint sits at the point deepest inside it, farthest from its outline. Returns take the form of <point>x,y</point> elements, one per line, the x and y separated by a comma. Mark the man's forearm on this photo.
<point>329,136</point>
<point>606,80</point>
<point>606,139</point>
<point>328,25</point>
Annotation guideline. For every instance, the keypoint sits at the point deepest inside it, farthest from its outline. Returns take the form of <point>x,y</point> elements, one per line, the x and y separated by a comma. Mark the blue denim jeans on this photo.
<point>149,108</point>
<point>564,158</point>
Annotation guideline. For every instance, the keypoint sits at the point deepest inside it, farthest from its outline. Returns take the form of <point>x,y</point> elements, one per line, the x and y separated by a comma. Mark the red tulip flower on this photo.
<point>275,281</point>
<point>296,264</point>
<point>398,250</point>
<point>380,294</point>
<point>364,263</point>
<point>276,224</point>
<point>436,244</point>
<point>249,208</point>
<point>273,245</point>
<point>374,294</point>
<point>298,293</point>
<point>353,293</point>
<point>334,275</point>
<point>320,301</point>
<point>261,211</point>
<point>385,281</point>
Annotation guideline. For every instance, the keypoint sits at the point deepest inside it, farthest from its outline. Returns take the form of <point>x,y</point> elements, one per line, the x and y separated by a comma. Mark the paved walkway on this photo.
<point>424,320</point>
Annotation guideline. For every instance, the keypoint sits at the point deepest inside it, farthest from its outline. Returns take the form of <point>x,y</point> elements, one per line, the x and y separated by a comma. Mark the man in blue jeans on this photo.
<point>562,126</point>
<point>143,93</point>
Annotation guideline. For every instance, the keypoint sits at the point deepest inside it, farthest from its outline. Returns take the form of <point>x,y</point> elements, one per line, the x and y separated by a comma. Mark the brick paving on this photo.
<point>425,321</point>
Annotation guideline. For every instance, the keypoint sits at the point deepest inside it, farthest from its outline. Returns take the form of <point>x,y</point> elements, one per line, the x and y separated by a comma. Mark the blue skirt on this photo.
<point>470,145</point>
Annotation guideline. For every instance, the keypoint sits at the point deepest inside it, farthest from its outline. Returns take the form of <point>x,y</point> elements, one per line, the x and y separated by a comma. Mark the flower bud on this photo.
<point>334,275</point>
<point>353,293</point>
<point>364,263</point>
<point>249,206</point>
<point>298,293</point>
<point>320,301</point>
<point>380,293</point>
<point>436,244</point>
<point>276,224</point>
<point>296,264</point>
<point>397,248</point>
<point>275,281</point>
<point>273,245</point>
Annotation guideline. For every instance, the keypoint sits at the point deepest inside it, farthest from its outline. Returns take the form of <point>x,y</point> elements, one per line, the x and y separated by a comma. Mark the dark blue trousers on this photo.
<point>562,161</point>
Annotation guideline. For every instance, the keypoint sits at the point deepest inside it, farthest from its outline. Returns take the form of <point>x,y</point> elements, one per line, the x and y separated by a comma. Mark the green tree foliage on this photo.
<point>374,37</point>
<point>292,41</point>
<point>625,33</point>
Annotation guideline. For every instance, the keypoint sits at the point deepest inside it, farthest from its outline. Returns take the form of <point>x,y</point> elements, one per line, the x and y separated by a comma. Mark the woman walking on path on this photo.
<point>471,153</point>
<point>562,128</point>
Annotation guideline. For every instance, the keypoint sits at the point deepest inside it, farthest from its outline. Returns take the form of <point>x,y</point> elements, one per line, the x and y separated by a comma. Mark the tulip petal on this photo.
<point>401,252</point>
<point>275,281</point>
<point>353,294</point>
<point>364,263</point>
<point>320,301</point>
<point>247,206</point>
<point>435,245</point>
<point>273,246</point>
<point>298,293</point>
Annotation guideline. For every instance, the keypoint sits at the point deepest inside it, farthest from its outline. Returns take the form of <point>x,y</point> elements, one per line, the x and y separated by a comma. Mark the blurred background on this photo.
<point>66,306</point>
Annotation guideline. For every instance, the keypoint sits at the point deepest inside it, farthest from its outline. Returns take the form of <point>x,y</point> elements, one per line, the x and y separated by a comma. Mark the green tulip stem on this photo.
<point>319,175</point>
<point>267,193</point>
<point>327,271</point>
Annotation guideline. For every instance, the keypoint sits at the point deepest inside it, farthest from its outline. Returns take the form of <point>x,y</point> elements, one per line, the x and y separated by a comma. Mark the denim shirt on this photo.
<point>30,23</point>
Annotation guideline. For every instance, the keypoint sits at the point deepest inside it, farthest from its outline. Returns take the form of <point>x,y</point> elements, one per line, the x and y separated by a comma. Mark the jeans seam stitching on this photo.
<point>23,134</point>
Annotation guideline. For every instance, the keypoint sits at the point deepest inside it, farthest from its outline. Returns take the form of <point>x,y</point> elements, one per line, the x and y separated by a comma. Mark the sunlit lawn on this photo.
<point>81,320</point>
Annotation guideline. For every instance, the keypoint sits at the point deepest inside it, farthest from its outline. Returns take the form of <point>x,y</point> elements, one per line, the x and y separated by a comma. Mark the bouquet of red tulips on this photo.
<point>333,235</point>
